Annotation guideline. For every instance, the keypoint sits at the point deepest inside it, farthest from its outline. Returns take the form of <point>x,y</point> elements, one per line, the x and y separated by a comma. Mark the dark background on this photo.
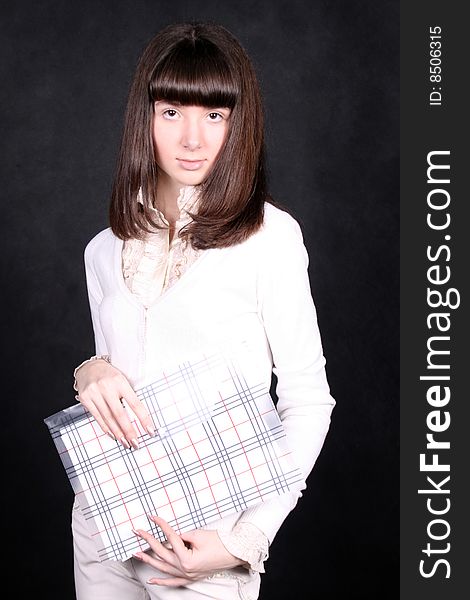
<point>329,76</point>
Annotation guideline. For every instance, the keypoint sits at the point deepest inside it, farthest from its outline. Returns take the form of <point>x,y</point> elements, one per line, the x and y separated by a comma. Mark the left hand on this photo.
<point>193,555</point>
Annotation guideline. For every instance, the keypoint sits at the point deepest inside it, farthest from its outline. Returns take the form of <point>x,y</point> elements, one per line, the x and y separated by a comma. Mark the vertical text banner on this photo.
<point>435,258</point>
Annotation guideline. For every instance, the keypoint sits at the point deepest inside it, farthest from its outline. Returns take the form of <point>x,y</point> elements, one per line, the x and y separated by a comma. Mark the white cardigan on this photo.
<point>256,292</point>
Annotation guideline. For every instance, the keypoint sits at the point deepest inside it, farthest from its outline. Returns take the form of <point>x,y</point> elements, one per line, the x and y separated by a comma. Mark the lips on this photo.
<point>190,165</point>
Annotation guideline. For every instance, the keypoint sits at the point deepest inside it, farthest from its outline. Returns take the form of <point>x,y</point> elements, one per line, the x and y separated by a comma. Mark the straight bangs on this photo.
<point>195,73</point>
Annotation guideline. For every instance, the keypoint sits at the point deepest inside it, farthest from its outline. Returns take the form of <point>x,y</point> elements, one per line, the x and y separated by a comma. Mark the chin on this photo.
<point>192,180</point>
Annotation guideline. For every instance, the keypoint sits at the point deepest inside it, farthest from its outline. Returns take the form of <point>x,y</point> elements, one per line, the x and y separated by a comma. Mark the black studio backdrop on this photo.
<point>329,76</point>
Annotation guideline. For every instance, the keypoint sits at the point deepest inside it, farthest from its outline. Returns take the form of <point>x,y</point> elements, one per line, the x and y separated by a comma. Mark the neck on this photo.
<point>167,196</point>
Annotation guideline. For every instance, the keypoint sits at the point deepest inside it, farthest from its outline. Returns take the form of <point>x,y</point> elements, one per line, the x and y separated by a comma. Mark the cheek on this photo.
<point>155,137</point>
<point>217,139</point>
<point>161,143</point>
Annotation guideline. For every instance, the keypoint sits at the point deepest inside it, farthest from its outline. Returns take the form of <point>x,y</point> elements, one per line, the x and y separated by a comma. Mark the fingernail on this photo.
<point>125,443</point>
<point>111,435</point>
<point>137,556</point>
<point>150,431</point>
<point>136,532</point>
<point>135,443</point>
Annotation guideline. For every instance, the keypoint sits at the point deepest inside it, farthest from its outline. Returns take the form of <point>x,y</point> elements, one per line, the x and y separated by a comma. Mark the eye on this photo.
<point>169,113</point>
<point>215,117</point>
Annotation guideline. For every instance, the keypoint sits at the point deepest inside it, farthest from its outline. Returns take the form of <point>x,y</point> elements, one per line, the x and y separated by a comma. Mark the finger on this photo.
<point>160,550</point>
<point>96,407</point>
<point>121,418</point>
<point>92,408</point>
<point>169,581</point>
<point>175,540</point>
<point>158,564</point>
<point>102,406</point>
<point>138,408</point>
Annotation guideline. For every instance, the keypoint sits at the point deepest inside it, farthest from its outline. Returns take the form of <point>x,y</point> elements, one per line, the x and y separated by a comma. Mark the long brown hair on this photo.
<point>195,64</point>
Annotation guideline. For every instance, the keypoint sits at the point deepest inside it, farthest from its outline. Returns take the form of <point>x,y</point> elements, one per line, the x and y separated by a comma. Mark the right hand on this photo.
<point>100,389</point>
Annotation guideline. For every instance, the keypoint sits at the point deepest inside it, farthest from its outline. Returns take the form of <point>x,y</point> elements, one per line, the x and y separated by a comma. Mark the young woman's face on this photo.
<point>187,140</point>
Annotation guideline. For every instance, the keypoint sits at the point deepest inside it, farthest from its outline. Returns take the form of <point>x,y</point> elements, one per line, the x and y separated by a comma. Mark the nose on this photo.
<point>191,135</point>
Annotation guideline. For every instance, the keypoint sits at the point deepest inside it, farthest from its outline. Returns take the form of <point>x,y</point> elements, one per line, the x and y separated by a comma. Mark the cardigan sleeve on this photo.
<point>304,403</point>
<point>95,296</point>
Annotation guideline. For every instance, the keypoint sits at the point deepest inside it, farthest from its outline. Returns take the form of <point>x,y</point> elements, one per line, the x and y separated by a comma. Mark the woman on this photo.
<point>197,256</point>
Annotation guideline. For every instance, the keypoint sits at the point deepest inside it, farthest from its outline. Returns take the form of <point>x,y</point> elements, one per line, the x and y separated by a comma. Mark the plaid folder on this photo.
<point>220,448</point>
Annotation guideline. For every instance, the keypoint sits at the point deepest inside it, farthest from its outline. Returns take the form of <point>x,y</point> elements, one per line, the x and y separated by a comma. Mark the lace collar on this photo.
<point>187,200</point>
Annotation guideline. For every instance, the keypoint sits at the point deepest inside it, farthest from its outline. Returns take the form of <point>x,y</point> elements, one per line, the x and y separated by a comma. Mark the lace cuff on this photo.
<point>248,543</point>
<point>103,357</point>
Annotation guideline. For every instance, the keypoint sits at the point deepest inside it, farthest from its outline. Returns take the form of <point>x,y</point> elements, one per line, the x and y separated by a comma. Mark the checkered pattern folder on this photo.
<point>220,448</point>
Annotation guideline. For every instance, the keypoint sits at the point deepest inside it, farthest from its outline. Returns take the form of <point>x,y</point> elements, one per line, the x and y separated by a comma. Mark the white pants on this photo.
<point>115,580</point>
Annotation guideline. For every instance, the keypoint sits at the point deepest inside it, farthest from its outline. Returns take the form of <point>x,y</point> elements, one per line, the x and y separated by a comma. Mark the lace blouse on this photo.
<point>152,265</point>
